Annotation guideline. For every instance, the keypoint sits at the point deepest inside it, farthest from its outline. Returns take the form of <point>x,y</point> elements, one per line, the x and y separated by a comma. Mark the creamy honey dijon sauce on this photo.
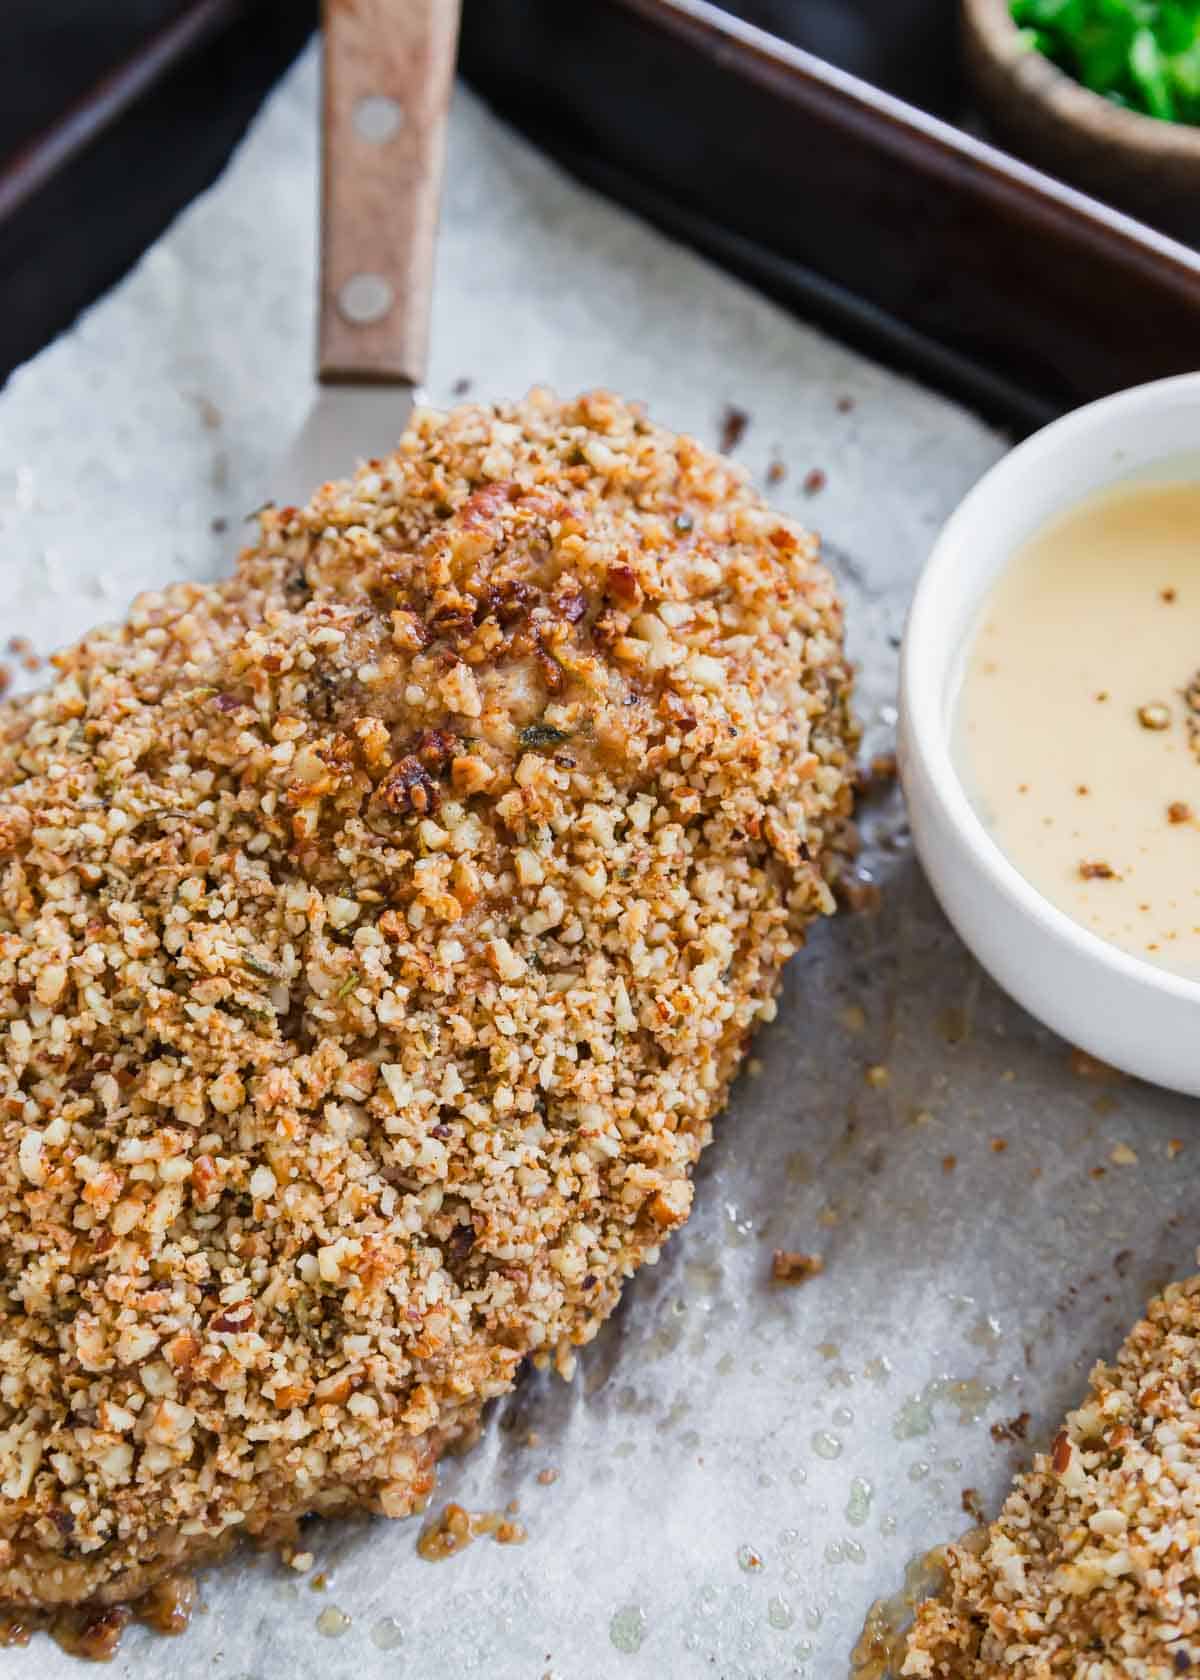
<point>1077,731</point>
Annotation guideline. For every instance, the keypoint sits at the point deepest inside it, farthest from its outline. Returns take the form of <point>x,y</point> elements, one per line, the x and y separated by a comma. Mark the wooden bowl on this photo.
<point>1149,168</point>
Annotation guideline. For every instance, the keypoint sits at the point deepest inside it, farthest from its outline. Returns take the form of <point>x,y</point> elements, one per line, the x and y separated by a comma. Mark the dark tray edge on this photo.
<point>936,157</point>
<point>928,248</point>
<point>55,148</point>
<point>93,191</point>
<point>813,296</point>
<point>947,150</point>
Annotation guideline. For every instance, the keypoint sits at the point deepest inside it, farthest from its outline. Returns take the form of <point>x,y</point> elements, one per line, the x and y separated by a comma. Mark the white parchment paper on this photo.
<point>739,1470</point>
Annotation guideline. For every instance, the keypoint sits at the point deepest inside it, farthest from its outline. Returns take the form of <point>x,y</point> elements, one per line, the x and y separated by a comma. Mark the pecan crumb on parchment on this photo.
<point>791,1266</point>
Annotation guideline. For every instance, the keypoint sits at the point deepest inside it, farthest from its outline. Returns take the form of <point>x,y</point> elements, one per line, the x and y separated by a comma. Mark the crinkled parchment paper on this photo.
<point>741,1468</point>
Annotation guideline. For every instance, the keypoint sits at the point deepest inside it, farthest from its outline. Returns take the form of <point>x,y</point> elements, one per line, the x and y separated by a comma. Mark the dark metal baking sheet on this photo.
<point>898,232</point>
<point>905,235</point>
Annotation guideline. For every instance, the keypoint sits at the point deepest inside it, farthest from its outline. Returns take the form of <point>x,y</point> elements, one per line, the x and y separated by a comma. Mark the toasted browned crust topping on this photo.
<point>379,932</point>
<point>1090,1570</point>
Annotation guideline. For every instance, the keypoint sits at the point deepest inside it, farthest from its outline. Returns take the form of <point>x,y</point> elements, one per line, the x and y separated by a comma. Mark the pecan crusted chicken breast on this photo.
<point>1090,1570</point>
<point>379,933</point>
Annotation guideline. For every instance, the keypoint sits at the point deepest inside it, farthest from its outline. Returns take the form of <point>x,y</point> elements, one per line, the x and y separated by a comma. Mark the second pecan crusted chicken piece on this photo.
<point>379,933</point>
<point>1090,1571</point>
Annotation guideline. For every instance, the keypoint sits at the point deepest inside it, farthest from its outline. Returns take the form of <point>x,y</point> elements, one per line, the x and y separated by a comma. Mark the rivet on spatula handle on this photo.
<point>389,67</point>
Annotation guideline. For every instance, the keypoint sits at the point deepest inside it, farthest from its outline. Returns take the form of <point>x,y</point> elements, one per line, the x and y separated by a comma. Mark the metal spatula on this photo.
<point>388,70</point>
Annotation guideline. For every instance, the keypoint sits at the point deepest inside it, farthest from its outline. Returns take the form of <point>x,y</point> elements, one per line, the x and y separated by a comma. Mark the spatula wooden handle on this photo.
<point>389,65</point>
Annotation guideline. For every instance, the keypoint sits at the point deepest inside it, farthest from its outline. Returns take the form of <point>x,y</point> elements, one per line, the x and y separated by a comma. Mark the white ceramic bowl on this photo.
<point>1130,1013</point>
